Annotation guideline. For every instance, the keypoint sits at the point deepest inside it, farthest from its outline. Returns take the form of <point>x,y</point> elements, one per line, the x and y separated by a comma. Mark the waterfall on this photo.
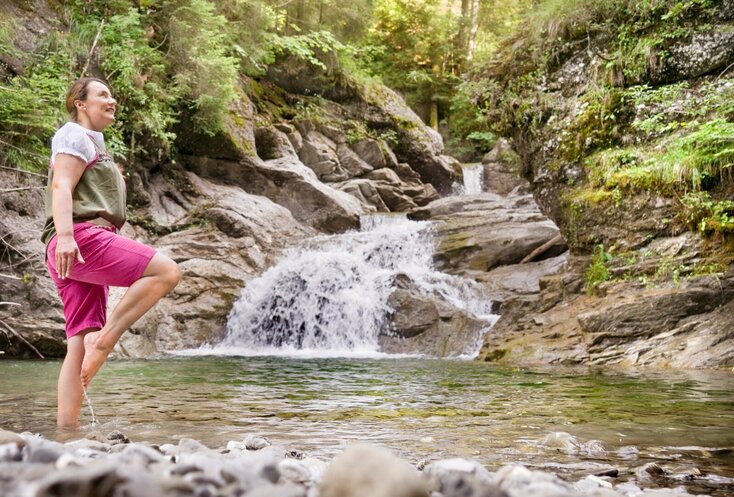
<point>328,296</point>
<point>473,178</point>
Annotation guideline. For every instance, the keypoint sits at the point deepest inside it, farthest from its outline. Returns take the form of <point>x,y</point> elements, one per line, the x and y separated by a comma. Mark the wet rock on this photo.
<point>518,481</point>
<point>368,470</point>
<point>9,437</point>
<point>366,193</point>
<point>649,472</point>
<point>593,448</point>
<point>116,437</point>
<point>253,442</point>
<point>394,198</point>
<point>85,481</point>
<point>591,483</point>
<point>562,441</point>
<point>10,452</point>
<point>412,313</point>
<point>461,478</point>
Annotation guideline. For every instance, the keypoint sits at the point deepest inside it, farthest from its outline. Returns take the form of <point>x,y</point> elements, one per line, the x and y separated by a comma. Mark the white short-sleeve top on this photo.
<point>74,139</point>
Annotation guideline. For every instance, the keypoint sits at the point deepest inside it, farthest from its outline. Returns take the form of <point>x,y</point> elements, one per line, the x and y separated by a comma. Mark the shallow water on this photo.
<point>421,408</point>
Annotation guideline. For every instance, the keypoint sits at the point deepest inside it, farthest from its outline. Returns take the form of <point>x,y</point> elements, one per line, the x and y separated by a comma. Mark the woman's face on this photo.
<point>98,110</point>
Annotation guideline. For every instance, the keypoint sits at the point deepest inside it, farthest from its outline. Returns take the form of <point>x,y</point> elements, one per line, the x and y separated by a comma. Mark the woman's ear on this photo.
<point>80,105</point>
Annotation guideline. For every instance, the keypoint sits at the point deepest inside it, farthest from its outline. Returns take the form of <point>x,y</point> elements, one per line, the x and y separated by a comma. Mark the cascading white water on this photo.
<point>473,178</point>
<point>328,297</point>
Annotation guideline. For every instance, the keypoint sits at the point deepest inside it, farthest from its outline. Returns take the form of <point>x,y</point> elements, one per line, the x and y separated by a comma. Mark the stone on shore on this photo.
<point>364,470</point>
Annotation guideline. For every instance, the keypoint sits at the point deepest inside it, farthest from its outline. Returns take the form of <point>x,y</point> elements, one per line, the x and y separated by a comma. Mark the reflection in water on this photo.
<point>420,408</point>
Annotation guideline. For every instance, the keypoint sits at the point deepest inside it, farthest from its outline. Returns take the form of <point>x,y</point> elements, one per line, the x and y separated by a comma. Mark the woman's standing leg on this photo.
<point>70,393</point>
<point>160,277</point>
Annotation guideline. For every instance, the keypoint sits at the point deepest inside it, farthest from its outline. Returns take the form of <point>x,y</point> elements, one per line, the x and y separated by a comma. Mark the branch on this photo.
<point>9,303</point>
<point>535,253</point>
<point>20,337</point>
<point>8,190</point>
<point>23,171</point>
<point>91,50</point>
<point>725,70</point>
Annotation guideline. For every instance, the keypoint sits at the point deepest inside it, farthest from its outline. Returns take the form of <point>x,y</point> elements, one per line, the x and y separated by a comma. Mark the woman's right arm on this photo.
<point>67,171</point>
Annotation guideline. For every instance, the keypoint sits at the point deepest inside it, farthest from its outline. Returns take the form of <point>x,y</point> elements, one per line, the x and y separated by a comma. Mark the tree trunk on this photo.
<point>464,25</point>
<point>434,115</point>
<point>473,28</point>
<point>301,15</point>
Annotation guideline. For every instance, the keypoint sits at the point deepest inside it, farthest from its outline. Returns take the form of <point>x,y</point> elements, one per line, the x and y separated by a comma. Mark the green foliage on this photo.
<point>706,215</point>
<point>309,47</point>
<point>32,106</point>
<point>204,73</point>
<point>137,73</point>
<point>598,271</point>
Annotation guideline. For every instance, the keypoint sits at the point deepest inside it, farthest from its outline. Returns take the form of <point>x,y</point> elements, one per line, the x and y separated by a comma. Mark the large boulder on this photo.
<point>484,231</point>
<point>428,323</point>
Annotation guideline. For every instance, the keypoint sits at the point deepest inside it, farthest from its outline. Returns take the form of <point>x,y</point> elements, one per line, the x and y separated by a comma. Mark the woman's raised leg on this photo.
<point>160,277</point>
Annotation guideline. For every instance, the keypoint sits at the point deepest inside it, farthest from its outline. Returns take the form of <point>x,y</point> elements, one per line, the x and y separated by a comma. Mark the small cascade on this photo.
<point>328,296</point>
<point>473,178</point>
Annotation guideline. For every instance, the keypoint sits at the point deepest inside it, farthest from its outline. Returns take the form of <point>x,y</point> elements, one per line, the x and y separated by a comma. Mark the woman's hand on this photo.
<point>67,171</point>
<point>67,252</point>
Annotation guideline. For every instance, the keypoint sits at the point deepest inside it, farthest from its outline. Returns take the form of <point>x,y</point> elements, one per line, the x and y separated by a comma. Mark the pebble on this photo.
<point>255,443</point>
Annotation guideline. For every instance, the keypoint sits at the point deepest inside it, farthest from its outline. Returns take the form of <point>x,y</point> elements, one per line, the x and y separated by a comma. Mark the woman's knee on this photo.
<point>170,273</point>
<point>164,269</point>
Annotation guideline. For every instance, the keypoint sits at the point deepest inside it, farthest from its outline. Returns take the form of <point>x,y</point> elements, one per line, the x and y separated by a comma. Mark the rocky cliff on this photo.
<point>623,126</point>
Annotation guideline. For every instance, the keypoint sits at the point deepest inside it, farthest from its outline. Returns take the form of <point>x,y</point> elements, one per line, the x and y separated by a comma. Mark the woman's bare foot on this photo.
<point>95,354</point>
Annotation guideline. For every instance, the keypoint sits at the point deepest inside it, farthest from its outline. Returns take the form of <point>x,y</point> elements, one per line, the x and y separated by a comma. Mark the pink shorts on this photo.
<point>109,260</point>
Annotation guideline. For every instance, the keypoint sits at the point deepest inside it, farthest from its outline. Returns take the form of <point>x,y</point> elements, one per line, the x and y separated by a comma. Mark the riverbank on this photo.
<point>112,464</point>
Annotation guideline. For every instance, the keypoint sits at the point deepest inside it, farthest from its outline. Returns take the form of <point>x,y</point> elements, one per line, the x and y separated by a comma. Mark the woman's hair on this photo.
<point>78,91</point>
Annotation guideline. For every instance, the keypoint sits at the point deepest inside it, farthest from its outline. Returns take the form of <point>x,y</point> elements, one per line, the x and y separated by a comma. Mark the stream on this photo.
<point>424,409</point>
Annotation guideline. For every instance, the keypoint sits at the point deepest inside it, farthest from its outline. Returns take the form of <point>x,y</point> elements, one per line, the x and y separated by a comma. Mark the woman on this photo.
<point>85,206</point>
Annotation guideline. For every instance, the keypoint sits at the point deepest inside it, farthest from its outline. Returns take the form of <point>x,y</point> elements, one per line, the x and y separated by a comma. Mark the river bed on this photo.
<point>423,409</point>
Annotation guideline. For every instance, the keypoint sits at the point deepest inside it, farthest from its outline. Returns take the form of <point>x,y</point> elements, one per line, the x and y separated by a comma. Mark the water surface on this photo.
<point>421,408</point>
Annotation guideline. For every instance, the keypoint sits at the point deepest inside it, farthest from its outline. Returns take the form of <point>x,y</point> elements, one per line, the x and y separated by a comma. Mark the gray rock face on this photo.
<point>352,162</point>
<point>273,143</point>
<point>320,154</point>
<point>291,184</point>
<point>683,327</point>
<point>705,53</point>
